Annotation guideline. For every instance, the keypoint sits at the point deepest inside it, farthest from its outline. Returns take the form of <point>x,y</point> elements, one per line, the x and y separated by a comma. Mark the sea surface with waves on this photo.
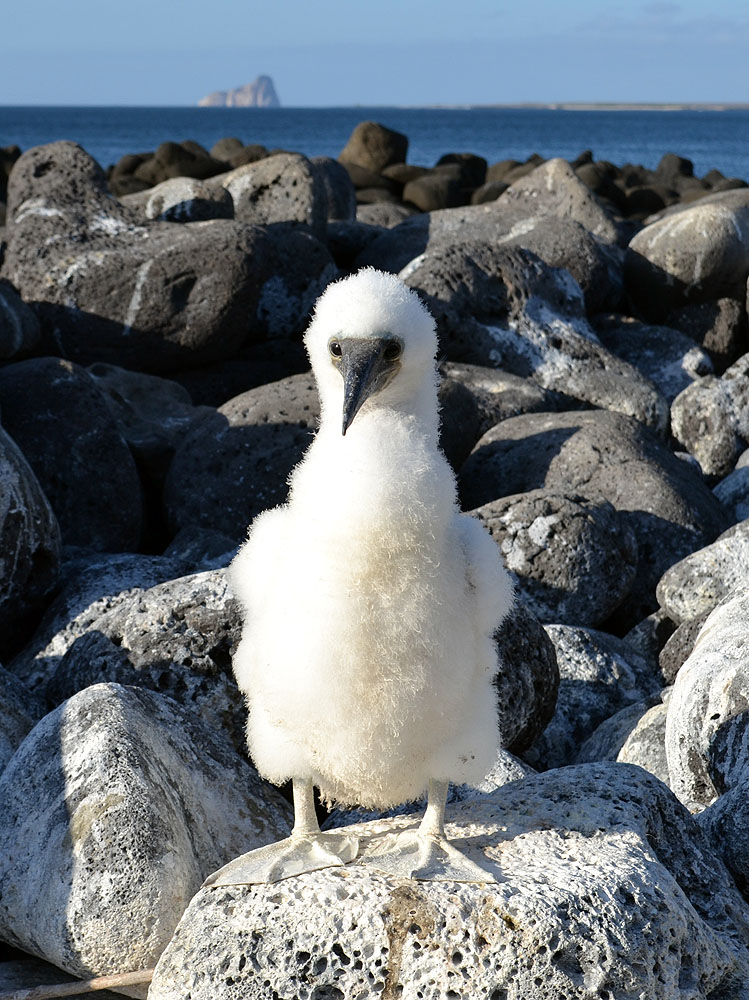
<point>708,138</point>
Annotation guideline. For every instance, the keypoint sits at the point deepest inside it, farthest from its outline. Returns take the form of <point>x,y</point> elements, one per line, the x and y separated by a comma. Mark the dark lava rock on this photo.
<point>527,681</point>
<point>61,420</point>
<point>504,307</point>
<point>603,456</point>
<point>669,359</point>
<point>374,146</point>
<point>720,326</point>
<point>574,560</point>
<point>107,287</point>
<point>183,199</point>
<point>281,188</point>
<point>679,647</point>
<point>19,327</point>
<point>29,545</point>
<point>339,190</point>
<point>435,190</point>
<point>561,242</point>
<point>599,675</point>
<point>235,463</point>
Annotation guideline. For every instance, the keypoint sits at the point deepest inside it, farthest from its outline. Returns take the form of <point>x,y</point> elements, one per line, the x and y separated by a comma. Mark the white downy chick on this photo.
<point>367,656</point>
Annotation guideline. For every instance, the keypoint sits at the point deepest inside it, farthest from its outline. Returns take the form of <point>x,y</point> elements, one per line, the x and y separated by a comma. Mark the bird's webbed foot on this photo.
<point>300,853</point>
<point>425,857</point>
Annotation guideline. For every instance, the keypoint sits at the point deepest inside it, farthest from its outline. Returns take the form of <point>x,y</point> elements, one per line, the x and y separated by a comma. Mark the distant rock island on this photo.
<point>259,94</point>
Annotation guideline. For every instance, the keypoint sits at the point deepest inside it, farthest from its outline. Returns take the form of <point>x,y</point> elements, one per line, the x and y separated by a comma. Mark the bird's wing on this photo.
<point>257,561</point>
<point>492,588</point>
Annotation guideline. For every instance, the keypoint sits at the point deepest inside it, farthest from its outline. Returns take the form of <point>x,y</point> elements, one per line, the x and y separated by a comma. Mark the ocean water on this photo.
<point>708,138</point>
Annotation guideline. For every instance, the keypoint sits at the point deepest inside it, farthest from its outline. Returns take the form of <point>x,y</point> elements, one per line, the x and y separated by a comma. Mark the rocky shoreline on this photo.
<point>154,396</point>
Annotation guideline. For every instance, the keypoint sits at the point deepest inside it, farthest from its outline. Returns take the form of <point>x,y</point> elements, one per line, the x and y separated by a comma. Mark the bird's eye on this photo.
<point>335,349</point>
<point>392,350</point>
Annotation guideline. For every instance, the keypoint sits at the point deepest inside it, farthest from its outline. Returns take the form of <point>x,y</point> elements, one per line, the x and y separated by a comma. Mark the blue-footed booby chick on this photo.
<point>367,655</point>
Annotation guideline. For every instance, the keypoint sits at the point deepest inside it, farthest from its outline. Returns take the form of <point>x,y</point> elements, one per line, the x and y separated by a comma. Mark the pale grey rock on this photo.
<point>503,307</point>
<point>711,419</point>
<point>90,586</point>
<point>604,456</point>
<point>733,492</point>
<point>115,808</point>
<point>176,638</point>
<point>186,199</point>
<point>743,460</point>
<point>573,559</point>
<point>710,688</point>
<point>235,463</point>
<point>646,743</point>
<point>29,545</point>
<point>697,254</point>
<point>599,675</point>
<point>698,583</point>
<point>19,712</point>
<point>607,889</point>
<point>383,213</point>
<point>285,187</point>
<point>607,740</point>
<point>19,327</point>
<point>669,359</point>
<point>506,768</point>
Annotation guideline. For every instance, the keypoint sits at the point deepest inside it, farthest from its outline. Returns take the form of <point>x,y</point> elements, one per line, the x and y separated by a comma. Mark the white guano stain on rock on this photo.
<point>35,206</point>
<point>137,296</point>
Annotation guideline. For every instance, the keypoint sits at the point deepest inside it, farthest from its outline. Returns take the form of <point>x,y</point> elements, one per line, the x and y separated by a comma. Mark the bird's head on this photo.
<point>371,341</point>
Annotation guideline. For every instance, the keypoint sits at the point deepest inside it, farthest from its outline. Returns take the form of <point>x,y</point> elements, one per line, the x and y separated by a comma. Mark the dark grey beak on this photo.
<point>366,370</point>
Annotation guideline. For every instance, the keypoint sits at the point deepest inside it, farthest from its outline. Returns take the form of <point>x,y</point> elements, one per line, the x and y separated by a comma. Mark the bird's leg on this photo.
<point>306,850</point>
<point>426,854</point>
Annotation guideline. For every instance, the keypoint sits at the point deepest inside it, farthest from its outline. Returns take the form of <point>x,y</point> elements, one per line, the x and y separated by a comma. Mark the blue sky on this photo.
<point>403,52</point>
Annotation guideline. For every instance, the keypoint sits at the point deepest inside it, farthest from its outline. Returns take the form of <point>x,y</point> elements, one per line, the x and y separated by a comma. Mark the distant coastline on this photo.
<point>609,106</point>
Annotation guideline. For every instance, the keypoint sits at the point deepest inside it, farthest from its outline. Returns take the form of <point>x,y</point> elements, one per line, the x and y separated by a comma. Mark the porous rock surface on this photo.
<point>115,808</point>
<point>606,889</point>
<point>604,456</point>
<point>235,463</point>
<point>62,421</point>
<point>710,688</point>
<point>176,638</point>
<point>599,674</point>
<point>90,586</point>
<point>695,585</point>
<point>573,559</point>
<point>504,307</point>
<point>646,743</point>
<point>527,680</point>
<point>185,199</point>
<point>29,544</point>
<point>733,493</point>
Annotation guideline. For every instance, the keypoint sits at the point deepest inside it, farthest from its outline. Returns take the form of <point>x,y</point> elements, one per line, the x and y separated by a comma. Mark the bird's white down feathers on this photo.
<point>366,657</point>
